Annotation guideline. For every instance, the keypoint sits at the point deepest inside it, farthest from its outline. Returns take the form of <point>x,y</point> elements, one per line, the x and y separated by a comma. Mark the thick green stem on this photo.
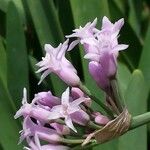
<point>105,108</point>
<point>140,120</point>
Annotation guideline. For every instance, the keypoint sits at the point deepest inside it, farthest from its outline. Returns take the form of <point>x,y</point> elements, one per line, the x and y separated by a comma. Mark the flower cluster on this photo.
<point>53,120</point>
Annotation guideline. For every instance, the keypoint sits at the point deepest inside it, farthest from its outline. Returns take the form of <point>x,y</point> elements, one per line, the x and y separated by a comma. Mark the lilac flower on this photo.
<point>66,109</point>
<point>55,62</point>
<point>31,129</point>
<point>86,32</point>
<point>77,93</point>
<point>46,99</point>
<point>61,129</point>
<point>106,42</point>
<point>32,110</point>
<point>103,57</point>
<point>98,74</point>
<point>100,119</point>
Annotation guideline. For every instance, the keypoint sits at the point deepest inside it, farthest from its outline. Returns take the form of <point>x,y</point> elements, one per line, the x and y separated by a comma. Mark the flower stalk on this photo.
<point>140,120</point>
<point>116,94</point>
<point>103,106</point>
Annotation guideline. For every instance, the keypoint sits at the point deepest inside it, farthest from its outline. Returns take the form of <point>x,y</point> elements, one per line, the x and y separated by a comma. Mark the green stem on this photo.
<point>73,141</point>
<point>94,126</point>
<point>140,120</point>
<point>117,94</point>
<point>105,108</point>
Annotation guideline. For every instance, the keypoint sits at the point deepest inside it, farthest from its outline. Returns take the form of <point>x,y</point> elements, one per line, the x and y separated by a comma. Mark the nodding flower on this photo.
<point>55,62</point>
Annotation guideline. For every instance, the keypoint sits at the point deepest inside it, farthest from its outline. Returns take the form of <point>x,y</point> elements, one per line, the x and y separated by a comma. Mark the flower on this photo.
<point>31,129</point>
<point>32,110</point>
<point>46,99</point>
<point>61,129</point>
<point>106,41</point>
<point>86,32</point>
<point>100,119</point>
<point>67,108</point>
<point>55,62</point>
<point>104,52</point>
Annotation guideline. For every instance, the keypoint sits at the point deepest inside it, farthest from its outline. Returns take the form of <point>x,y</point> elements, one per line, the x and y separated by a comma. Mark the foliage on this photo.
<point>26,25</point>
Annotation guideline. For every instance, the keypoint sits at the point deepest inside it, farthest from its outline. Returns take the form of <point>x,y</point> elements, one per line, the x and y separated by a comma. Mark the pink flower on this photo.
<point>55,62</point>
<point>86,32</point>
<point>61,129</point>
<point>77,93</point>
<point>32,110</point>
<point>100,119</point>
<point>106,41</point>
<point>38,132</point>
<point>66,109</point>
<point>46,99</point>
<point>103,56</point>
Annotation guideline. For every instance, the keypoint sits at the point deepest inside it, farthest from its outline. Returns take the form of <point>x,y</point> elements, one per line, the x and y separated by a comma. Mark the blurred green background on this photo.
<point>26,25</point>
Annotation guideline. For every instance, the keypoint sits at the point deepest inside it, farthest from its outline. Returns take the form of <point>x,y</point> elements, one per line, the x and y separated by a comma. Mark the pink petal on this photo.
<point>69,123</point>
<point>44,75</point>
<point>120,47</point>
<point>73,44</point>
<point>78,101</point>
<point>92,56</point>
<point>65,97</point>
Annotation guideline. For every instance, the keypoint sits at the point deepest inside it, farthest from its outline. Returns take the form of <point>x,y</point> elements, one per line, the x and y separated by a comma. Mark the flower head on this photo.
<point>55,62</point>
<point>66,109</point>
<point>104,52</point>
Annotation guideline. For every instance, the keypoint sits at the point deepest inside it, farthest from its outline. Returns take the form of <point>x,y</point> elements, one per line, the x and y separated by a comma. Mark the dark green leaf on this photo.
<point>144,64</point>
<point>136,100</point>
<point>17,65</point>
<point>3,63</point>
<point>9,130</point>
<point>135,10</point>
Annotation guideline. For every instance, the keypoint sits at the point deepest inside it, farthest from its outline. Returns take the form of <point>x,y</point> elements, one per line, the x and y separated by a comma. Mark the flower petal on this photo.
<point>69,123</point>
<point>73,44</point>
<point>92,56</point>
<point>44,75</point>
<point>65,97</point>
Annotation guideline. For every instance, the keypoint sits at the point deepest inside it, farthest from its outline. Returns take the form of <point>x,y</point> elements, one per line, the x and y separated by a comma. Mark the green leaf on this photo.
<point>132,55</point>
<point>17,65</point>
<point>48,31</point>
<point>46,22</point>
<point>135,12</point>
<point>3,62</point>
<point>136,100</point>
<point>124,77</point>
<point>9,130</point>
<point>18,3</point>
<point>144,64</point>
<point>85,11</point>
